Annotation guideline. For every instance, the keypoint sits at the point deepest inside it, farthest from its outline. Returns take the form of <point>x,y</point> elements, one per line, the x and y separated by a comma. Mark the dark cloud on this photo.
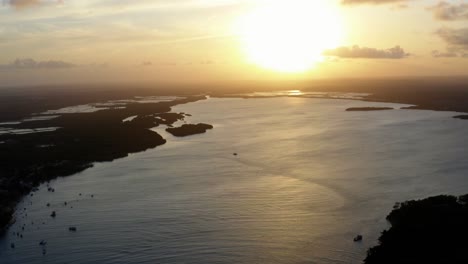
<point>369,53</point>
<point>373,2</point>
<point>33,64</point>
<point>448,11</point>
<point>457,42</point>
<point>455,38</point>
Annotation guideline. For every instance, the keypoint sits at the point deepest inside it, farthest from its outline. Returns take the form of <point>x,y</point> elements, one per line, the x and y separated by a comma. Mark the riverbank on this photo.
<point>427,93</point>
<point>432,230</point>
<point>283,189</point>
<point>77,140</point>
<point>367,109</point>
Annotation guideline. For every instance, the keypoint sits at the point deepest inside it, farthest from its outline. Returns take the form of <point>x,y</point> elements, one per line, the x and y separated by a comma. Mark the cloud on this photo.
<point>33,64</point>
<point>457,42</point>
<point>356,52</point>
<point>455,38</point>
<point>146,63</point>
<point>372,2</point>
<point>450,53</point>
<point>446,54</point>
<point>23,3</point>
<point>447,11</point>
<point>20,4</point>
<point>400,6</point>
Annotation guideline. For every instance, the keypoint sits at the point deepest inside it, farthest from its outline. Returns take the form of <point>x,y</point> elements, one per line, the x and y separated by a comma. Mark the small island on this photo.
<point>464,117</point>
<point>189,129</point>
<point>432,230</point>
<point>365,109</point>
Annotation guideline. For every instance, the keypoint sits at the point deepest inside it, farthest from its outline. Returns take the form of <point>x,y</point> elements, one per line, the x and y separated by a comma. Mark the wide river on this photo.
<point>307,179</point>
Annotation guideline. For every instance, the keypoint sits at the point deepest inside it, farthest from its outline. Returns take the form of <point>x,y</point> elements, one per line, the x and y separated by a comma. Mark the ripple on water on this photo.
<point>307,179</point>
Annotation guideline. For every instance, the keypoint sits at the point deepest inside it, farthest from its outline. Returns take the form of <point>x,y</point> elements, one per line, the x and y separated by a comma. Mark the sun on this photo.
<point>290,35</point>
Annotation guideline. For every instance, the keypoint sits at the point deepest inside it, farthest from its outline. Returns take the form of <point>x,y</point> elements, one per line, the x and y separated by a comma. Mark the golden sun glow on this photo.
<point>290,36</point>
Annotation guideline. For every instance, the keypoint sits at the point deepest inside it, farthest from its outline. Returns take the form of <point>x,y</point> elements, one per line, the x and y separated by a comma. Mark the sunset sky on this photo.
<point>69,41</point>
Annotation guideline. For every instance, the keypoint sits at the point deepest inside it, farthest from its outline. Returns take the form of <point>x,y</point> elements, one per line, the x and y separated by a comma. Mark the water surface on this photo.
<point>308,177</point>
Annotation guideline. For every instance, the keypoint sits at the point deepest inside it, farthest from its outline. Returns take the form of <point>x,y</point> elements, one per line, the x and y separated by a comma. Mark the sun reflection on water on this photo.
<point>295,93</point>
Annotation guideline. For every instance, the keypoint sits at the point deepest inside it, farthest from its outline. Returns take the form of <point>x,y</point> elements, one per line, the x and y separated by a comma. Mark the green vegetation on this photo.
<point>433,230</point>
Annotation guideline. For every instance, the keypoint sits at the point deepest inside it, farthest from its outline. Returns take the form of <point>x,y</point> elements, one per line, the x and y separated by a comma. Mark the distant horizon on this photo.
<point>144,84</point>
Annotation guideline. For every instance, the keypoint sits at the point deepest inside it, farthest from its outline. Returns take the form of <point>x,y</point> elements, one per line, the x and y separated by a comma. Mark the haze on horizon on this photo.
<point>70,41</point>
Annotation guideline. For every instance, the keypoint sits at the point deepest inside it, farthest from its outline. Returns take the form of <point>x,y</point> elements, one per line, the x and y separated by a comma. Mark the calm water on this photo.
<point>308,178</point>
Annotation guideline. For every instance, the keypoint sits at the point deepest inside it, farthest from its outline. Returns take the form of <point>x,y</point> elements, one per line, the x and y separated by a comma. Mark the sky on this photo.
<point>88,41</point>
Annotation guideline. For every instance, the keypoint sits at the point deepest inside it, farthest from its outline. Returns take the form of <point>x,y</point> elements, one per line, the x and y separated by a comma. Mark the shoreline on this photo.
<point>168,116</point>
<point>28,160</point>
<point>69,124</point>
<point>368,109</point>
<point>430,230</point>
<point>440,93</point>
<point>459,114</point>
